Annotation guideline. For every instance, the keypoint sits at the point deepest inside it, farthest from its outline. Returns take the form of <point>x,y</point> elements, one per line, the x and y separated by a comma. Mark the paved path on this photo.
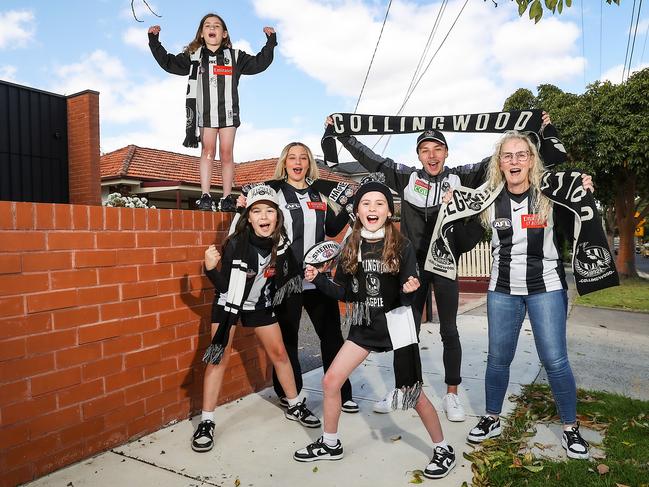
<point>254,443</point>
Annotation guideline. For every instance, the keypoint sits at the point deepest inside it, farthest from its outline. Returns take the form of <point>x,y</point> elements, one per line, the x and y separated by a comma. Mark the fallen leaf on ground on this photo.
<point>602,469</point>
<point>416,477</point>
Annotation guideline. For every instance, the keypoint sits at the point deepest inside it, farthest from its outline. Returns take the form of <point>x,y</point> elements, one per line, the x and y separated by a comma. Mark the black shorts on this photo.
<point>248,319</point>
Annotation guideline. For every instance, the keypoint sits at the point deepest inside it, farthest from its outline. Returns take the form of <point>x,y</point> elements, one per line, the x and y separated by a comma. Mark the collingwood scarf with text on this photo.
<point>592,262</point>
<point>529,121</point>
<point>288,280</point>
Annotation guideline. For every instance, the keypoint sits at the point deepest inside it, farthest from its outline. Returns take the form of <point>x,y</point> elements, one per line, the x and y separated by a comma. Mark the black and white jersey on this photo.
<point>259,290</point>
<point>217,102</point>
<point>526,257</point>
<point>307,219</point>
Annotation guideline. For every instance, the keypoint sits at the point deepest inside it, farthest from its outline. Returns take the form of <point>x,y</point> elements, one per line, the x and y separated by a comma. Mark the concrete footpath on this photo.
<point>254,443</point>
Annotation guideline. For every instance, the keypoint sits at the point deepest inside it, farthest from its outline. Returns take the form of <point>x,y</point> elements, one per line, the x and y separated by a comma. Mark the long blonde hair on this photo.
<point>280,169</point>
<point>198,41</point>
<point>540,204</point>
<point>391,250</point>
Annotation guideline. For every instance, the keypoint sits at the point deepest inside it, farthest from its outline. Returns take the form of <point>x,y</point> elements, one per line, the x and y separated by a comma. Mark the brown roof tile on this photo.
<point>135,162</point>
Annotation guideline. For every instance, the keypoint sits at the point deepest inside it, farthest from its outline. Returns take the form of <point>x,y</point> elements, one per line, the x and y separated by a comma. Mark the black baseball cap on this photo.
<point>432,135</point>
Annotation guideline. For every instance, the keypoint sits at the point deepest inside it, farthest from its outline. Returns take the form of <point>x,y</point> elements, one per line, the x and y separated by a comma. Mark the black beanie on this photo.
<point>374,186</point>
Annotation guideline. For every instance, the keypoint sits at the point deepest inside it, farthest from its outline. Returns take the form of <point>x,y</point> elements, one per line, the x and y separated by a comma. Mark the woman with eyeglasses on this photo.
<point>527,277</point>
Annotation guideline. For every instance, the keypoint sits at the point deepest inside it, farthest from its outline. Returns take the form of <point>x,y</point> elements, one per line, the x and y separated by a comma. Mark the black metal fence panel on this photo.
<point>33,145</point>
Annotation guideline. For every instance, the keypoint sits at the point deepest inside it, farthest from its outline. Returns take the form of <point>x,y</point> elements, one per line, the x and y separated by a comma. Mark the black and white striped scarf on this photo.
<point>528,121</point>
<point>592,261</point>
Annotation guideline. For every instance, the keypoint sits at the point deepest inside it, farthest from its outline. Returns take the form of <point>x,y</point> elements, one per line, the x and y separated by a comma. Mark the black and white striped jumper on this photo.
<point>526,253</point>
<point>309,220</point>
<point>217,102</point>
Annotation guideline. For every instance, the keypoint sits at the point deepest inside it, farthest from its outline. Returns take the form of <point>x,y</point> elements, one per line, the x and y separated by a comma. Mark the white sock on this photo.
<point>442,443</point>
<point>330,439</point>
<point>207,415</point>
<point>294,401</point>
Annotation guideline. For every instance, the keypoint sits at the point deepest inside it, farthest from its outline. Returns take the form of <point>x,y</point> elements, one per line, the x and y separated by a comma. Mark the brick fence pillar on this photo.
<point>83,148</point>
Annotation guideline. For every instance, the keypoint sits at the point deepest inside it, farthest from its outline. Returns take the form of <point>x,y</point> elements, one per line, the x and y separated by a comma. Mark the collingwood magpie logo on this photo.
<point>592,260</point>
<point>189,117</point>
<point>378,177</point>
<point>355,287</point>
<point>442,256</point>
<point>445,186</point>
<point>373,285</point>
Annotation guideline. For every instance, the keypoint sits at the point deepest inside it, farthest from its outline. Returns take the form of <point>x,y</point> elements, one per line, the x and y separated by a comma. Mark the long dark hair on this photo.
<point>243,225</point>
<point>198,40</point>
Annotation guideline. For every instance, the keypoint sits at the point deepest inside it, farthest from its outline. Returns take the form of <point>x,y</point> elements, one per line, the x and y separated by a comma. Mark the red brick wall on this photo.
<point>83,148</point>
<point>104,313</point>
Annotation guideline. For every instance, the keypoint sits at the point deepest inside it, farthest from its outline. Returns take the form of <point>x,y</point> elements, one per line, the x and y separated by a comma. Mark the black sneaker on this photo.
<point>575,445</point>
<point>204,203</point>
<point>203,439</point>
<point>442,463</point>
<point>228,203</point>
<point>487,427</point>
<point>350,407</point>
<point>319,450</point>
<point>301,413</point>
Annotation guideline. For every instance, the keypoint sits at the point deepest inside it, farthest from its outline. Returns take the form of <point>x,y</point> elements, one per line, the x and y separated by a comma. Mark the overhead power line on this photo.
<point>405,101</point>
<point>422,56</point>
<point>628,44</point>
<point>360,95</point>
<point>583,40</point>
<point>635,33</point>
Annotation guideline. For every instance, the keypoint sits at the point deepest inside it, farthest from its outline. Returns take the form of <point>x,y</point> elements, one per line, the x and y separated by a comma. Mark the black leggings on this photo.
<point>446,298</point>
<point>325,316</point>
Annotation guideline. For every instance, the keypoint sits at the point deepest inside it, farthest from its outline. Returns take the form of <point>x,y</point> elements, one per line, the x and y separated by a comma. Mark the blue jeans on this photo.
<point>547,312</point>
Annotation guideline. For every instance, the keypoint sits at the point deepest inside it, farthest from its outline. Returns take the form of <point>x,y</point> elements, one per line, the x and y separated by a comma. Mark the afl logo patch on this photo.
<point>502,224</point>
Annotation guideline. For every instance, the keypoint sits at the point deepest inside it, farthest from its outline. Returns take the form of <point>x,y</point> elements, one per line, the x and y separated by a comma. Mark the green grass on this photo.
<point>631,294</point>
<point>623,421</point>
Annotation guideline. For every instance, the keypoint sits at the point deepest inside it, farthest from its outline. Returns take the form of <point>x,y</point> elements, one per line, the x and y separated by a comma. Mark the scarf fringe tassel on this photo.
<point>410,396</point>
<point>356,313</point>
<point>292,286</point>
<point>191,140</point>
<point>213,354</point>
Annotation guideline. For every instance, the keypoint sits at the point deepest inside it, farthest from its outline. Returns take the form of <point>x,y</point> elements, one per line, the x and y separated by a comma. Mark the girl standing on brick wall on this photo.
<point>377,278</point>
<point>257,269</point>
<point>212,101</point>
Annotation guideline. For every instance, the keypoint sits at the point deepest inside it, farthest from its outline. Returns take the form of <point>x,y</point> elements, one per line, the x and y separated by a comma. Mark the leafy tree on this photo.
<point>536,7</point>
<point>606,133</point>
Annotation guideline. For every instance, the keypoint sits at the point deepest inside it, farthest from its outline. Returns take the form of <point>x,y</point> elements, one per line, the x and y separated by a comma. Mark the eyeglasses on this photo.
<point>521,156</point>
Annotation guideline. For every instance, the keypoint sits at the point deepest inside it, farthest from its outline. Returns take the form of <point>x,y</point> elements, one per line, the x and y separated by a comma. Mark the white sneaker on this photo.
<point>384,406</point>
<point>453,407</point>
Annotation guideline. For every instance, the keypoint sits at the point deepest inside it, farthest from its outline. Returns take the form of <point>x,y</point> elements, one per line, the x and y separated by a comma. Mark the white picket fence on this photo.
<point>477,262</point>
